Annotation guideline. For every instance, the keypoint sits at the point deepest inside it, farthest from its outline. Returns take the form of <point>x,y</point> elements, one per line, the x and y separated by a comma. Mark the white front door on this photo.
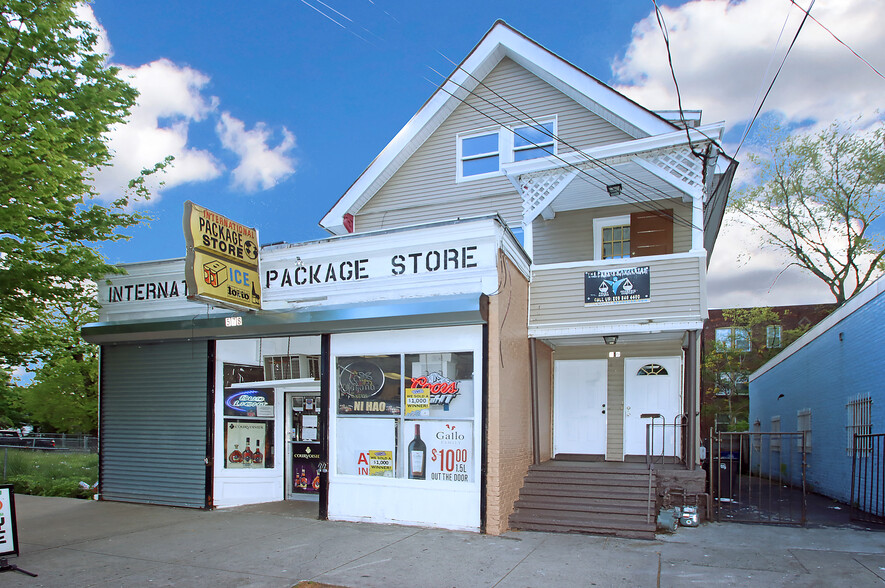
<point>652,386</point>
<point>580,392</point>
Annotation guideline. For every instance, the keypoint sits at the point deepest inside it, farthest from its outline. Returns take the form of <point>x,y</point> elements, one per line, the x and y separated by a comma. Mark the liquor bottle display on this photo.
<point>235,456</point>
<point>417,456</point>
<point>247,453</point>
<point>257,456</point>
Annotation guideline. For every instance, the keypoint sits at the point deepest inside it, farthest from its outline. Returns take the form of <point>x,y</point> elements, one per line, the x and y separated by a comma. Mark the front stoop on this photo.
<point>586,497</point>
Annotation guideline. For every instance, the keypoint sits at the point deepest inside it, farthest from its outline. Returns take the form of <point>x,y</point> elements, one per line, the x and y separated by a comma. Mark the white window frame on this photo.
<point>859,420</point>
<point>772,331</point>
<point>775,444</point>
<point>601,223</point>
<point>461,137</point>
<point>546,144</point>
<point>732,338</point>
<point>506,149</point>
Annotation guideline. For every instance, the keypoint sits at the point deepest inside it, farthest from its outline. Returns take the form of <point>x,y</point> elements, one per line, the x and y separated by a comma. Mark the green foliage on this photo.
<point>58,100</point>
<point>50,473</point>
<point>816,198</point>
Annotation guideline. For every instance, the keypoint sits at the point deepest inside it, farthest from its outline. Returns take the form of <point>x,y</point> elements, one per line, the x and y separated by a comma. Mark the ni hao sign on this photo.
<point>222,260</point>
<point>617,285</point>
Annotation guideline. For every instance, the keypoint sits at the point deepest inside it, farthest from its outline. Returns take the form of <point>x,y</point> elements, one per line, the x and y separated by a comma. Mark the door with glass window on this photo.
<point>303,445</point>
<point>652,386</point>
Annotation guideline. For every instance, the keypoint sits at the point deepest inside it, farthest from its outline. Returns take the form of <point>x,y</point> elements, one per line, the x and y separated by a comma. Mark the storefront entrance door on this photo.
<point>651,386</point>
<point>303,445</point>
<point>580,393</point>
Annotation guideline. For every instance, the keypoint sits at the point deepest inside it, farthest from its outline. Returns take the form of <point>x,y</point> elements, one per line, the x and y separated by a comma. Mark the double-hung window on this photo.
<point>481,153</point>
<point>611,237</point>
<point>773,334</point>
<point>733,339</point>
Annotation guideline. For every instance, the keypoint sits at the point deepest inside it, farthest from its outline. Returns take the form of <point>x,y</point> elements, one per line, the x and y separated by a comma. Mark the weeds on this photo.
<point>48,473</point>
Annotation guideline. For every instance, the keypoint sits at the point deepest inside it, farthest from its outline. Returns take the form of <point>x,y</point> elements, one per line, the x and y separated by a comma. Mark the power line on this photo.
<point>776,74</point>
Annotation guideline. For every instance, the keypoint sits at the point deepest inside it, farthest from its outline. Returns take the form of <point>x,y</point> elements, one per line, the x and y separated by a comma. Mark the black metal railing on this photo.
<point>867,502</point>
<point>665,442</point>
<point>757,477</point>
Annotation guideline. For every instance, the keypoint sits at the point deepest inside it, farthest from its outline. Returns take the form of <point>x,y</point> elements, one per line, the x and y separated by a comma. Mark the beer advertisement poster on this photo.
<point>449,447</point>
<point>614,286</point>
<point>221,266</point>
<point>249,402</point>
<point>8,531</point>
<point>369,385</point>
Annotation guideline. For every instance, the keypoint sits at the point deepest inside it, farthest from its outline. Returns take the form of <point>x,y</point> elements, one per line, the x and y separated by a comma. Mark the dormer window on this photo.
<point>481,153</point>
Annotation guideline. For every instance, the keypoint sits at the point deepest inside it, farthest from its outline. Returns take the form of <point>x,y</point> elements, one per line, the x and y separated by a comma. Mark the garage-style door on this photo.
<point>153,423</point>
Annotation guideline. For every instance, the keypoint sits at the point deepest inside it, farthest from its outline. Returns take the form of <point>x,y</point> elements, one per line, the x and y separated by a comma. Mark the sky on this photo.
<point>272,109</point>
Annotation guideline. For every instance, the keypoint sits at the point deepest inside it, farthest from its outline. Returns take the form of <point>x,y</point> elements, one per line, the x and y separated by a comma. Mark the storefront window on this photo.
<point>421,425</point>
<point>248,428</point>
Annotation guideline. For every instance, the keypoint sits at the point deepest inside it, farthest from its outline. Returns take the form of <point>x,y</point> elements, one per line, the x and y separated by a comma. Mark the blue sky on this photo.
<point>273,109</point>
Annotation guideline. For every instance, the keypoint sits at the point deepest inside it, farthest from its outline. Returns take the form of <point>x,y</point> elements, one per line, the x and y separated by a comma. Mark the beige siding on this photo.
<point>509,399</point>
<point>557,295</point>
<point>424,188</point>
<point>615,403</point>
<point>569,236</point>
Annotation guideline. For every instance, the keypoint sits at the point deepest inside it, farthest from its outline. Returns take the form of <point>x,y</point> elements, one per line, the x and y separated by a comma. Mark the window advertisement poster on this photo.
<point>439,385</point>
<point>234,373</point>
<point>366,446</point>
<point>249,402</point>
<point>305,470</point>
<point>441,451</point>
<point>8,532</point>
<point>247,444</point>
<point>630,284</point>
<point>369,385</point>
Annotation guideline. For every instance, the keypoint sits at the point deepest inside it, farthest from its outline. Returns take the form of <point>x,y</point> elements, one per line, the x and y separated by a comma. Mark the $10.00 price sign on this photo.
<point>449,450</point>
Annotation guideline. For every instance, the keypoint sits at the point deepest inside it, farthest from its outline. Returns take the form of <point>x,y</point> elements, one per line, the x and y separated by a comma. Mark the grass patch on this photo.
<point>49,473</point>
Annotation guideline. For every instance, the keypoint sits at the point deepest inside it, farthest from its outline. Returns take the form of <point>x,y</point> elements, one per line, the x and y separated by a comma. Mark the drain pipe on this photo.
<point>692,404</point>
<point>536,432</point>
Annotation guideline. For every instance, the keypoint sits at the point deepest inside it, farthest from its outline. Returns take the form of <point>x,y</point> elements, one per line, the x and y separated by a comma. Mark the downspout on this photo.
<point>691,453</point>
<point>536,431</point>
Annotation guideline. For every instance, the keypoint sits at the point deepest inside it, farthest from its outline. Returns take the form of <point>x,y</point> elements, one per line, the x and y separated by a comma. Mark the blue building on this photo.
<point>828,383</point>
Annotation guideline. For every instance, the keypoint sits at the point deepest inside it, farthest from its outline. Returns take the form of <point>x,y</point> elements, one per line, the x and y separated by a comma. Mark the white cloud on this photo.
<point>261,167</point>
<point>721,50</point>
<point>170,99</point>
<point>84,13</point>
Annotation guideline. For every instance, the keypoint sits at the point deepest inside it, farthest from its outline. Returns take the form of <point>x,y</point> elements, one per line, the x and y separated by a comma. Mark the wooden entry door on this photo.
<point>652,385</point>
<point>580,393</point>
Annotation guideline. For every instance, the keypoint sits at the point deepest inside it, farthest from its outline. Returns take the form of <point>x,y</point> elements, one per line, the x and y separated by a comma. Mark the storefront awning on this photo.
<point>437,311</point>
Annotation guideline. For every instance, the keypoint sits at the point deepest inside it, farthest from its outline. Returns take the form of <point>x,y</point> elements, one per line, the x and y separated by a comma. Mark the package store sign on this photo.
<point>222,260</point>
<point>617,286</point>
<point>449,451</point>
<point>8,532</point>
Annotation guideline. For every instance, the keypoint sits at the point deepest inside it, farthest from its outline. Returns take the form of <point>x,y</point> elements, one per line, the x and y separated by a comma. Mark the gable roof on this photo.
<point>499,42</point>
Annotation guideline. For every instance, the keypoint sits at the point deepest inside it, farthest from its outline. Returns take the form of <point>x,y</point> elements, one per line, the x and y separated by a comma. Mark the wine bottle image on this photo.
<point>257,456</point>
<point>247,453</point>
<point>235,455</point>
<point>417,456</point>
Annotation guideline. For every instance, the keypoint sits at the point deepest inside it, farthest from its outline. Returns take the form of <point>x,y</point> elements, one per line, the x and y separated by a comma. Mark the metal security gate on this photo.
<point>153,425</point>
<point>758,477</point>
<point>868,479</point>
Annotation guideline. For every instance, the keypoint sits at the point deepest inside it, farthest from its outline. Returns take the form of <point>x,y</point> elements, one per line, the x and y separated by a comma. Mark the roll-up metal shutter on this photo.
<point>153,423</point>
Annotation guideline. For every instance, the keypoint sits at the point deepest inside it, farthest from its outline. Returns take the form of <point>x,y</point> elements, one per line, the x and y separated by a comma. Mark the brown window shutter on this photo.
<point>651,233</point>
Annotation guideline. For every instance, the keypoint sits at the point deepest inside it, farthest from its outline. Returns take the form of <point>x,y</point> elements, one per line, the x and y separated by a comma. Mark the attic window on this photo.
<point>479,155</point>
<point>534,141</point>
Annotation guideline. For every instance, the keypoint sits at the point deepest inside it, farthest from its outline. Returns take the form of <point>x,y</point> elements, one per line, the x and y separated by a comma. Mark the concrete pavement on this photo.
<point>74,543</point>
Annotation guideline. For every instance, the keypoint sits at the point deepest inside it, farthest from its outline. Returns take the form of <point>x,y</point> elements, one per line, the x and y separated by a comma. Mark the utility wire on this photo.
<point>821,25</point>
<point>774,79</point>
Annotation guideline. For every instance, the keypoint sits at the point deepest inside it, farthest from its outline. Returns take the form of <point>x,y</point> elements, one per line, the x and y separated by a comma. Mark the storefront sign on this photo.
<point>222,260</point>
<point>617,285</point>
<point>449,450</point>
<point>253,402</point>
<point>8,531</point>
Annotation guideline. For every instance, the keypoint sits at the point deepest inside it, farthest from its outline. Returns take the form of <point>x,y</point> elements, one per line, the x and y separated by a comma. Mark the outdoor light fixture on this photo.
<point>610,339</point>
<point>614,190</point>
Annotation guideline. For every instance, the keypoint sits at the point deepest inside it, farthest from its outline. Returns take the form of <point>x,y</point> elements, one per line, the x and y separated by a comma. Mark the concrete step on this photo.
<point>617,526</point>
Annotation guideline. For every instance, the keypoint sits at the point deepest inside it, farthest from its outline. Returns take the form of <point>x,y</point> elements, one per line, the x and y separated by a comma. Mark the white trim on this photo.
<point>613,328</point>
<point>601,223</point>
<point>501,41</point>
<point>592,264</point>
<point>459,158</point>
<point>851,305</point>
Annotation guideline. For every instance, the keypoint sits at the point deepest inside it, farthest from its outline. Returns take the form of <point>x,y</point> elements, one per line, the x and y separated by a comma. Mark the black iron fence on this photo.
<point>868,479</point>
<point>757,477</point>
<point>665,442</point>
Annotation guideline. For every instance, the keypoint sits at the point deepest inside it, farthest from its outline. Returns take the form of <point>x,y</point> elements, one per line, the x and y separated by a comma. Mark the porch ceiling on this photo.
<point>623,339</point>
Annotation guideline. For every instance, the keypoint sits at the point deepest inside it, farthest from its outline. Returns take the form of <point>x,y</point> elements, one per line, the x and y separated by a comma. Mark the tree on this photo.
<point>816,198</point>
<point>58,100</point>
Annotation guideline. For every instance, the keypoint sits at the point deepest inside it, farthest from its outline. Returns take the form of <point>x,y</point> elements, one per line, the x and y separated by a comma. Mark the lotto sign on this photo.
<point>8,533</point>
<point>222,259</point>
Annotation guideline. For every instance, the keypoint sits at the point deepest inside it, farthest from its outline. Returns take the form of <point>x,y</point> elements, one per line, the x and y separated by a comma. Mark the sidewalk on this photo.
<point>74,543</point>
